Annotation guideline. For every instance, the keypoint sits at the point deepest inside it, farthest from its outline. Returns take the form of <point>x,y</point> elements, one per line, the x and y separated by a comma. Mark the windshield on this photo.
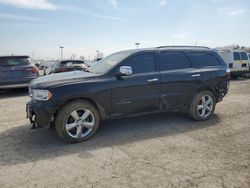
<point>107,63</point>
<point>14,61</point>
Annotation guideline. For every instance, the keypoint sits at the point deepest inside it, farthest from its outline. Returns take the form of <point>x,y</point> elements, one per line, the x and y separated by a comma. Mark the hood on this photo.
<point>60,78</point>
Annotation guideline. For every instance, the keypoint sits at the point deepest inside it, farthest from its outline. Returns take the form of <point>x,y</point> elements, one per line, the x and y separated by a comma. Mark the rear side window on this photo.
<point>243,56</point>
<point>14,61</point>
<point>206,59</point>
<point>173,61</point>
<point>141,63</point>
<point>236,56</point>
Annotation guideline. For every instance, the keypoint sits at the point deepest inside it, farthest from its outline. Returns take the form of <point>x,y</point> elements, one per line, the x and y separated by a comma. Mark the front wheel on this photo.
<point>77,121</point>
<point>202,106</point>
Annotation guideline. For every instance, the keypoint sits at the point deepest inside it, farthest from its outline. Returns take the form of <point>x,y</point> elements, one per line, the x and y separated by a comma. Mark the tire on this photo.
<point>71,118</point>
<point>197,108</point>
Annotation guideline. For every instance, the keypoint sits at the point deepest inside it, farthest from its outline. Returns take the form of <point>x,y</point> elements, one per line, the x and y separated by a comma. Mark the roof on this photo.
<point>231,50</point>
<point>203,48</point>
<point>184,47</point>
<point>15,56</point>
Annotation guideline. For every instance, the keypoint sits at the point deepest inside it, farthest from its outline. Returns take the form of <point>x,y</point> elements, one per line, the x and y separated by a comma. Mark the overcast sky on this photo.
<point>83,26</point>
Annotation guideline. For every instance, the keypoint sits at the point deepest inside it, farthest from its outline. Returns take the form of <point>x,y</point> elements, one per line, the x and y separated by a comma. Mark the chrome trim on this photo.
<point>153,80</point>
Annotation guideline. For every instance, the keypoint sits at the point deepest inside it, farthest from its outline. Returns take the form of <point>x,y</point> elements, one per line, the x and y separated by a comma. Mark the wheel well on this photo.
<point>202,89</point>
<point>207,89</point>
<point>96,104</point>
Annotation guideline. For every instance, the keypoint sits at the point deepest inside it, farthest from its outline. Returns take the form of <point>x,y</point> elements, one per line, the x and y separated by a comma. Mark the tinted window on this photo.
<point>71,63</point>
<point>173,61</point>
<point>244,56</point>
<point>142,63</point>
<point>14,61</point>
<point>236,56</point>
<point>206,59</point>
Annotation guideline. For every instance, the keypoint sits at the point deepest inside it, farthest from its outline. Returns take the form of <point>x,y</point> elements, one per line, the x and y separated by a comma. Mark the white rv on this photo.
<point>237,61</point>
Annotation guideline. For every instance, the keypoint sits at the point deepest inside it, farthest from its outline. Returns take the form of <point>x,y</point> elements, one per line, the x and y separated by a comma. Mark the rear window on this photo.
<point>14,61</point>
<point>244,56</point>
<point>173,61</point>
<point>70,63</point>
<point>206,59</point>
<point>236,56</point>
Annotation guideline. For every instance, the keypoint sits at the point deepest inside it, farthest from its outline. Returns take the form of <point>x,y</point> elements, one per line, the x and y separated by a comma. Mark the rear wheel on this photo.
<point>202,106</point>
<point>77,121</point>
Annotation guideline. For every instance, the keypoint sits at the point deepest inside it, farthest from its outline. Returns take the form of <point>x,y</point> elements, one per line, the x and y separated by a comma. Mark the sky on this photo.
<point>38,27</point>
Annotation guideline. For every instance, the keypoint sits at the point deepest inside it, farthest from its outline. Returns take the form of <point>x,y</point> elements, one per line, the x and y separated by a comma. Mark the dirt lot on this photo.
<point>163,150</point>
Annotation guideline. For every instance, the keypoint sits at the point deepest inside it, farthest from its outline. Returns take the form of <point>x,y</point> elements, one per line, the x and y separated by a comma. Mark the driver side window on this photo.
<point>141,63</point>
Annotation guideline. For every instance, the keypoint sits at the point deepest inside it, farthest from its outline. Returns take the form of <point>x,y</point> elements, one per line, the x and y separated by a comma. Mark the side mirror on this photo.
<point>125,71</point>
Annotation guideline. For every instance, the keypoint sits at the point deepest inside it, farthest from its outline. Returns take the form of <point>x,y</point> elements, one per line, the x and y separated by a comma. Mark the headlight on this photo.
<point>41,95</point>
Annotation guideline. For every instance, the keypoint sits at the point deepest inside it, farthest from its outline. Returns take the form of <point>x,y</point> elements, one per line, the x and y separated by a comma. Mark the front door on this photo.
<point>140,91</point>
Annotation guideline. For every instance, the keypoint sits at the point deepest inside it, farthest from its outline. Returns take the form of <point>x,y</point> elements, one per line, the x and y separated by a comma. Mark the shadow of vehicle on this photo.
<point>21,145</point>
<point>238,79</point>
<point>11,93</point>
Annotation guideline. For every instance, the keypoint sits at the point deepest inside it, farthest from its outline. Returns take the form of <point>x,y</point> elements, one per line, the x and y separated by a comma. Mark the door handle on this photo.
<point>153,80</point>
<point>195,75</point>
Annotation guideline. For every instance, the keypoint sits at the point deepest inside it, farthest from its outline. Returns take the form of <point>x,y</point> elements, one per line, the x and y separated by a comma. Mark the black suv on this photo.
<point>170,78</point>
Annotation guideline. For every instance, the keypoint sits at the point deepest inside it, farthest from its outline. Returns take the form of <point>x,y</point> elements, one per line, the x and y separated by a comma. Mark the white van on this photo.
<point>237,61</point>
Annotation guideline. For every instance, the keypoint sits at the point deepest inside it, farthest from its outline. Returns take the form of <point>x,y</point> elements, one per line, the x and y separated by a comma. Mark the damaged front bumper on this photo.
<point>40,114</point>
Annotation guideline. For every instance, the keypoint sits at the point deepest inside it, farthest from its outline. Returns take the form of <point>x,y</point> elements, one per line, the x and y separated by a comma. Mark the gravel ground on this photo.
<point>162,150</point>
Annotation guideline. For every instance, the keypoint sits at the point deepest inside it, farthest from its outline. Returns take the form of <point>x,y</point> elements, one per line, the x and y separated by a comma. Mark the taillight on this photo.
<point>228,74</point>
<point>34,70</point>
<point>230,65</point>
<point>61,69</point>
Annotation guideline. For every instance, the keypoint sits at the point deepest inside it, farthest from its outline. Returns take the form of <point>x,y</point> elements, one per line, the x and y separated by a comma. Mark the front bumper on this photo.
<point>40,114</point>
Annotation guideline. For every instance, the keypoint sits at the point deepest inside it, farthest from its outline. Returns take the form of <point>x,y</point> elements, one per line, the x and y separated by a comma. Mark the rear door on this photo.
<point>180,78</point>
<point>244,61</point>
<point>140,91</point>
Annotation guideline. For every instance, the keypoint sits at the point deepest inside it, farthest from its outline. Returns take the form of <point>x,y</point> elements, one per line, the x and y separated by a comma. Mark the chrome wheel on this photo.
<point>205,106</point>
<point>79,123</point>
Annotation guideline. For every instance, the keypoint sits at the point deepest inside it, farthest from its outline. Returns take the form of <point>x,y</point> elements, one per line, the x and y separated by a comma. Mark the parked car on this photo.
<point>133,82</point>
<point>237,61</point>
<point>68,65</point>
<point>50,68</point>
<point>16,72</point>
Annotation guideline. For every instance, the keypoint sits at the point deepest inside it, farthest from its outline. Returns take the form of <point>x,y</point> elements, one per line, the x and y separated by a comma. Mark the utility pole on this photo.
<point>137,44</point>
<point>61,48</point>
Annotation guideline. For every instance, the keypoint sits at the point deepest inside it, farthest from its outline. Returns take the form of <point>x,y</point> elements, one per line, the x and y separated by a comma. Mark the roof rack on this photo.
<point>195,47</point>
